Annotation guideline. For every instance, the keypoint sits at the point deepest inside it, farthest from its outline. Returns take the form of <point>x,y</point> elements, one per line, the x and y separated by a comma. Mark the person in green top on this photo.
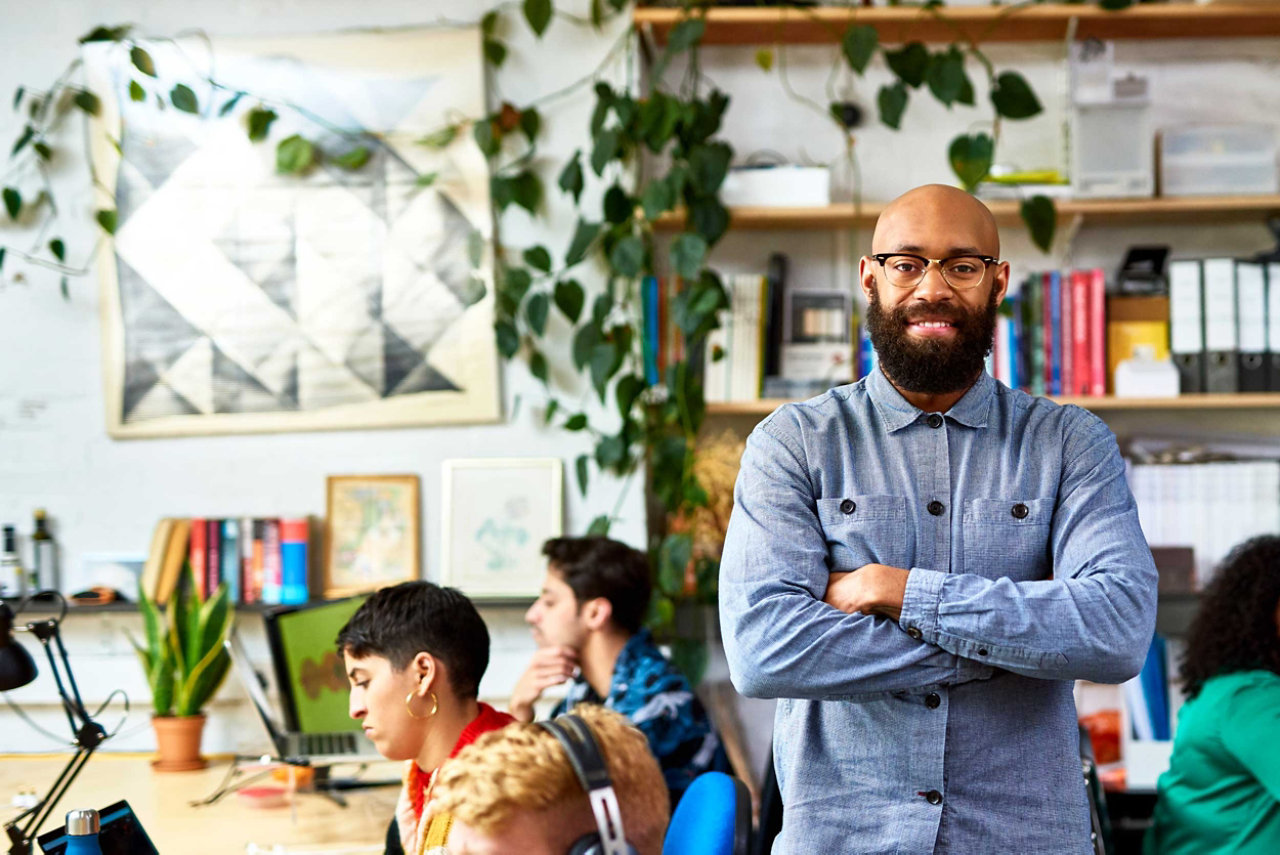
<point>1222,791</point>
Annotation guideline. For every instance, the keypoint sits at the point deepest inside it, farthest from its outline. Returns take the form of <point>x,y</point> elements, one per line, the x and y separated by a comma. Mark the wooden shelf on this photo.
<point>1262,400</point>
<point>1162,209</point>
<point>1047,22</point>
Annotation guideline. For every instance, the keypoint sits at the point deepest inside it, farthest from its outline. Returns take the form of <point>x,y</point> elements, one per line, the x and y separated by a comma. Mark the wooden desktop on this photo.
<point>312,822</point>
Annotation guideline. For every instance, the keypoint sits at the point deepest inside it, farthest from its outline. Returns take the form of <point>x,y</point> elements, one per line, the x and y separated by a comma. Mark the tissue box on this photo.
<point>783,186</point>
<point>1218,160</point>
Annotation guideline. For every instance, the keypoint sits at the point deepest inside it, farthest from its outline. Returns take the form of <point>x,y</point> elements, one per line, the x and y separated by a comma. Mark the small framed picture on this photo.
<point>371,533</point>
<point>497,513</point>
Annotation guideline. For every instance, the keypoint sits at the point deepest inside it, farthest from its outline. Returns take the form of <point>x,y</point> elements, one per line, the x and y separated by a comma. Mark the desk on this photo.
<point>162,803</point>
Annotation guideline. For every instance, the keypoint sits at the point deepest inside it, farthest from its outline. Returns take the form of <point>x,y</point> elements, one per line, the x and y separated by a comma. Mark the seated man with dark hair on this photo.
<point>515,790</point>
<point>587,623</point>
<point>414,654</point>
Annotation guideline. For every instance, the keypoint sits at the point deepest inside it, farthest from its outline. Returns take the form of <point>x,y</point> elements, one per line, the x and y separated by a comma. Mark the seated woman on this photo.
<point>1222,790</point>
<point>414,654</point>
<point>517,791</point>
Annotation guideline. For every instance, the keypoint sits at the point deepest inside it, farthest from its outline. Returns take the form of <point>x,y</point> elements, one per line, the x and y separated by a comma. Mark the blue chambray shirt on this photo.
<point>952,730</point>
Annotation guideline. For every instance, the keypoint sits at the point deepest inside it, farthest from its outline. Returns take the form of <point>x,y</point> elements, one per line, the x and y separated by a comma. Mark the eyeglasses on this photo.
<point>961,272</point>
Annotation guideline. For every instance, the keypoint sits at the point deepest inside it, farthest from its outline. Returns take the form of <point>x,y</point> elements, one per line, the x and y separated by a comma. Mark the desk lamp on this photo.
<point>17,669</point>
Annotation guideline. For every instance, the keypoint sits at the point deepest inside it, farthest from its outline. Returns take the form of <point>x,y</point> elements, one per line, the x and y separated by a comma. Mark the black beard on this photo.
<point>932,366</point>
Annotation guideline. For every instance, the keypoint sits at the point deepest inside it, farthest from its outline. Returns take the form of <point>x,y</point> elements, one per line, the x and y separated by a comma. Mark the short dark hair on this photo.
<point>1235,626</point>
<point>599,567</point>
<point>403,620</point>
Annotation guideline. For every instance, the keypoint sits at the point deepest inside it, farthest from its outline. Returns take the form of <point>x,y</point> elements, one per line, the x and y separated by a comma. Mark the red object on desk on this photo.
<point>1104,732</point>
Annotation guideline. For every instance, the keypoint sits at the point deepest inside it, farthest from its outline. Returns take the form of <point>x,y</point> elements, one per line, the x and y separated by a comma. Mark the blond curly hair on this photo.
<point>522,767</point>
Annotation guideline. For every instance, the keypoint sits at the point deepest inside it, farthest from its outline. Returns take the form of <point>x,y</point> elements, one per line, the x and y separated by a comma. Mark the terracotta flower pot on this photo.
<point>178,743</point>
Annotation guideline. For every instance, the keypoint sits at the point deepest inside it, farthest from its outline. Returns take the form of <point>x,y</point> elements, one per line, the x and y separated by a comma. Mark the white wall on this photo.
<point>105,495</point>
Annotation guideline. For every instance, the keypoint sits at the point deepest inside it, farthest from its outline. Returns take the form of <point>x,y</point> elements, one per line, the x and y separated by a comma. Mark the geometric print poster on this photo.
<point>238,299</point>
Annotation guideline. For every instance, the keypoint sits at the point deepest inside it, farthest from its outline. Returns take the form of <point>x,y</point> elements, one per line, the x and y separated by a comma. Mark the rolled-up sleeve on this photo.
<point>1095,618</point>
<point>781,639</point>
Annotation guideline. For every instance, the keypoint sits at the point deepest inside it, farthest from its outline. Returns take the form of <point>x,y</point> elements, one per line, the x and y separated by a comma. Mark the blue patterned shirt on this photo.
<point>952,729</point>
<point>658,700</point>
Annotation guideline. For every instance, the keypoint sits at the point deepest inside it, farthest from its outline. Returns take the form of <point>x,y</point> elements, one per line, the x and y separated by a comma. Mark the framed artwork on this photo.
<point>497,513</point>
<point>236,299</point>
<point>371,533</point>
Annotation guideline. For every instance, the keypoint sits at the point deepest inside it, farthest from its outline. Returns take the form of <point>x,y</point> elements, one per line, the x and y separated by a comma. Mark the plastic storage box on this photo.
<point>1218,160</point>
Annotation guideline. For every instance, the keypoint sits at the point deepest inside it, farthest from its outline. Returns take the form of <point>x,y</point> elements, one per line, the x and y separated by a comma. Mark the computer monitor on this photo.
<point>309,670</point>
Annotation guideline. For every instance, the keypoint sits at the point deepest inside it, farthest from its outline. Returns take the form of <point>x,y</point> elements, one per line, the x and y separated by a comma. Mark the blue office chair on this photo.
<point>713,818</point>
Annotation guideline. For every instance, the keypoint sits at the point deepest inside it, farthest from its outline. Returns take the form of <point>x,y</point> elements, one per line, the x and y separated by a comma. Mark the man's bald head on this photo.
<point>936,218</point>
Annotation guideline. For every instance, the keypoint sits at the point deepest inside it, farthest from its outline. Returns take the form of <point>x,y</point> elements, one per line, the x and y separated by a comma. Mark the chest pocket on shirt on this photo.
<point>1008,537</point>
<point>866,530</point>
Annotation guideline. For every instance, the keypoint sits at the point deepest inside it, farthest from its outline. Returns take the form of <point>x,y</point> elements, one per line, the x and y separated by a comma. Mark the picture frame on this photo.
<point>371,533</point>
<point>497,512</point>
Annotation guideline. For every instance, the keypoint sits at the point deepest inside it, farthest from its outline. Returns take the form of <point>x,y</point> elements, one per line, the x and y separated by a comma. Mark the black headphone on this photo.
<point>588,764</point>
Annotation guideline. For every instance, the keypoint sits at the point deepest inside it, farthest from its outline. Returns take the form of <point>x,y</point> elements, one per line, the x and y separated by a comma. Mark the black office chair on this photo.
<point>1099,821</point>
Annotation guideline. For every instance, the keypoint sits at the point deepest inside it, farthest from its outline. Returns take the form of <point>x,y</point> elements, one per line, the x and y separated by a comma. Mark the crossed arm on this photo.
<point>793,629</point>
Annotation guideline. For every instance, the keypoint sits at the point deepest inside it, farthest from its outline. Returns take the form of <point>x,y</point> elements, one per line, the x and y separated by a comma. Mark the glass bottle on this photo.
<point>44,549</point>
<point>13,581</point>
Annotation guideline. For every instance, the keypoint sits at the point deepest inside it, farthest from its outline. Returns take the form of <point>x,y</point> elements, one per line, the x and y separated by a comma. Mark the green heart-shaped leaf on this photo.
<point>184,99</point>
<point>909,63</point>
<point>892,101</point>
<point>971,158</point>
<point>859,45</point>
<point>1013,98</point>
<point>1041,218</point>
<point>570,299</point>
<point>538,14</point>
<point>687,254</point>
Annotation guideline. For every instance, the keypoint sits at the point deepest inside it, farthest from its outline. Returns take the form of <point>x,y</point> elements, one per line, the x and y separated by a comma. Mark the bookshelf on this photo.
<point>1045,22</point>
<point>1197,403</point>
<point>259,608</point>
<point>1186,209</point>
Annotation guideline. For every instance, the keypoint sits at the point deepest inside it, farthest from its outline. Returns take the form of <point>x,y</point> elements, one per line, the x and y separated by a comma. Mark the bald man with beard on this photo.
<point>920,564</point>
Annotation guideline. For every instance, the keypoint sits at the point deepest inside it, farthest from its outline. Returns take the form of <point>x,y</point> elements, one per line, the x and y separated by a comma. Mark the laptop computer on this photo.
<point>315,725</point>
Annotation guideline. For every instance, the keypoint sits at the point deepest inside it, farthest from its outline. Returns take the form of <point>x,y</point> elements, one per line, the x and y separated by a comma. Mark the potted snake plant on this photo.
<point>185,662</point>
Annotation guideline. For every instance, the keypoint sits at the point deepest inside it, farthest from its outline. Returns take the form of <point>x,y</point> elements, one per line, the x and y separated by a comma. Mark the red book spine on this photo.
<point>272,571</point>
<point>197,553</point>
<point>1098,332</point>
<point>1081,373</point>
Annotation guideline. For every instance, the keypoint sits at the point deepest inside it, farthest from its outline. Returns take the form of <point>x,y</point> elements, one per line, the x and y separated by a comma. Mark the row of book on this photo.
<point>1051,337</point>
<point>262,560</point>
<point>1210,507</point>
<point>1224,318</point>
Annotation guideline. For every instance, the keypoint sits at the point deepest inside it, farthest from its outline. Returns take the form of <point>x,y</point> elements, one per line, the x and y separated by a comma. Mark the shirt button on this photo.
<point>934,420</point>
<point>933,797</point>
<point>1020,511</point>
<point>932,701</point>
<point>848,506</point>
<point>982,651</point>
<point>914,632</point>
<point>936,508</point>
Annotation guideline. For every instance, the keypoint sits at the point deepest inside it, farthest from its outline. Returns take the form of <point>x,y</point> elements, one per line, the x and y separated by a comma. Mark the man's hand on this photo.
<point>550,666</point>
<point>871,589</point>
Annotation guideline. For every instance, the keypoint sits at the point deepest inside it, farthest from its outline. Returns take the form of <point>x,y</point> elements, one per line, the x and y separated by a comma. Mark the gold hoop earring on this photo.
<point>408,704</point>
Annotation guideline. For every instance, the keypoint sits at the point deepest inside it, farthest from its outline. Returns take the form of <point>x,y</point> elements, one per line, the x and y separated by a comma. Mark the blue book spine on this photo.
<point>293,561</point>
<point>1054,311</point>
<point>230,557</point>
<point>649,304</point>
<point>1155,688</point>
